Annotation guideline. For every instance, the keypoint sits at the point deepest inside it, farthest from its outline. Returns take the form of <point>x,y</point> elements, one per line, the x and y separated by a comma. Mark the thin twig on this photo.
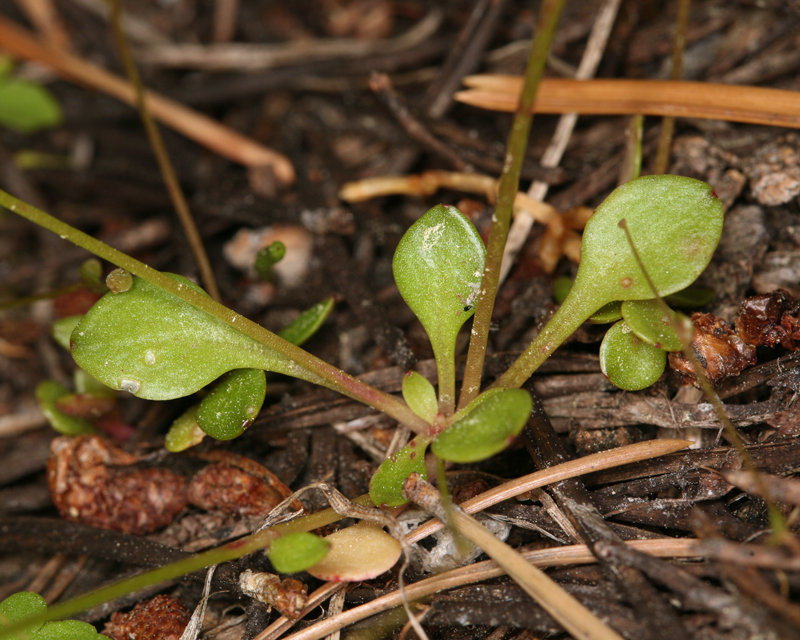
<point>595,46</point>
<point>253,57</point>
<point>162,156</point>
<point>668,123</point>
<point>549,14</point>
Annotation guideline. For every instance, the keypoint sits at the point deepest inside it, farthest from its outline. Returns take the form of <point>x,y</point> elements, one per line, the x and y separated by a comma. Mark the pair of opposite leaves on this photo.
<point>159,347</point>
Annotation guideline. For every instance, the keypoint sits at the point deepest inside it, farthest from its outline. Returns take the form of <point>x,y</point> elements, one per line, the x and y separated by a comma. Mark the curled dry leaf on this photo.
<point>721,353</point>
<point>162,618</point>
<point>770,320</point>
<point>288,596</point>
<point>89,483</point>
<point>360,552</point>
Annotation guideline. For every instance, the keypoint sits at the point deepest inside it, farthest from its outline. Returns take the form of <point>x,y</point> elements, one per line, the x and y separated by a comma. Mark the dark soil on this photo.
<point>318,110</point>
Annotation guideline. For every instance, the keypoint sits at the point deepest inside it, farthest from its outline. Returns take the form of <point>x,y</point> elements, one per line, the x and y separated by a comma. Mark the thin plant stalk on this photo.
<point>507,191</point>
<point>570,315</point>
<point>309,366</point>
<point>779,526</point>
<point>162,156</point>
<point>668,122</point>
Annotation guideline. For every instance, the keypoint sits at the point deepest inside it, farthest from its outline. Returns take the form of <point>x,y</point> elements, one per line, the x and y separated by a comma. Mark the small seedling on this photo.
<point>25,106</point>
<point>267,258</point>
<point>161,343</point>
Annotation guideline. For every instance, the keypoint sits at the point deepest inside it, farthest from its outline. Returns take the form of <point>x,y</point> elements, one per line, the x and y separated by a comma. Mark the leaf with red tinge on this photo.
<point>360,552</point>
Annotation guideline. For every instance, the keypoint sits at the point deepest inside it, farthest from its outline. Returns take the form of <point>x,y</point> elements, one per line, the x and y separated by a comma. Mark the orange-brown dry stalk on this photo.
<point>228,143</point>
<point>755,105</point>
<point>560,237</point>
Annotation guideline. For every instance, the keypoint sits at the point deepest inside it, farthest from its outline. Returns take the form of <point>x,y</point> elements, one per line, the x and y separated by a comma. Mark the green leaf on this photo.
<point>648,321</point>
<point>438,267</point>
<point>27,107</point>
<point>629,362</point>
<point>47,393</point>
<point>386,486</point>
<point>487,428</point>
<point>610,312</point>
<point>676,223</point>
<point>184,432</point>
<point>420,395</point>
<point>22,605</point>
<point>62,329</point>
<point>68,630</point>
<point>19,606</point>
<point>159,347</point>
<point>233,403</point>
<point>307,323</point>
<point>297,552</point>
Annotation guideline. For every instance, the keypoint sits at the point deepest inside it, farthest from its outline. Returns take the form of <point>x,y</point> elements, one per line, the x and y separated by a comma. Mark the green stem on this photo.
<point>331,376</point>
<point>572,314</point>
<point>225,553</point>
<point>446,373</point>
<point>507,191</point>
<point>162,156</point>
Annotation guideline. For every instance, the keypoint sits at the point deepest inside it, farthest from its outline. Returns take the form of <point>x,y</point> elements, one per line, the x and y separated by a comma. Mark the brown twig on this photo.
<point>463,57</point>
<point>162,157</point>
<point>219,138</point>
<point>381,85</point>
<point>668,123</point>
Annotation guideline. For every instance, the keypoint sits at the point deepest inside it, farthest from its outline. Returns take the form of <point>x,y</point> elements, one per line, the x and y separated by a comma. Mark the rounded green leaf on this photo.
<point>486,429</point>
<point>27,106</point>
<point>184,431</point>
<point>46,394</point>
<point>438,267</point>
<point>159,347</point>
<point>233,403</point>
<point>386,486</point>
<point>648,321</point>
<point>675,222</point>
<point>297,552</point>
<point>19,606</point>
<point>420,395</point>
<point>610,312</point>
<point>68,630</point>
<point>307,323</point>
<point>629,362</point>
